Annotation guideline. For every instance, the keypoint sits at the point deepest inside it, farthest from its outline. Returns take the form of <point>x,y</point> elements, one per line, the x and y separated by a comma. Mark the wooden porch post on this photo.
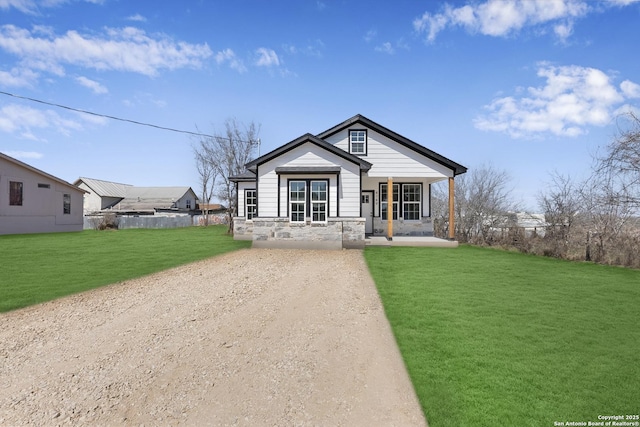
<point>452,222</point>
<point>390,208</point>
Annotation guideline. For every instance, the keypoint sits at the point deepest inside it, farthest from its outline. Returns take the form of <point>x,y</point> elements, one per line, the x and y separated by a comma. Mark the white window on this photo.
<point>297,200</point>
<point>250,203</point>
<point>411,198</point>
<point>409,208</point>
<point>318,201</point>
<point>384,202</point>
<point>358,142</point>
<point>188,203</point>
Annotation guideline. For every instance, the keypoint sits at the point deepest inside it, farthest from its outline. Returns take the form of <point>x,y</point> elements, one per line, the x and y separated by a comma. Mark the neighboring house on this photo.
<point>124,198</point>
<point>332,189</point>
<point>529,223</point>
<point>32,201</point>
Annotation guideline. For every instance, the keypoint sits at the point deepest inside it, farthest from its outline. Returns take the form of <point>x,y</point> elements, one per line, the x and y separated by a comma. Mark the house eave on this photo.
<point>42,173</point>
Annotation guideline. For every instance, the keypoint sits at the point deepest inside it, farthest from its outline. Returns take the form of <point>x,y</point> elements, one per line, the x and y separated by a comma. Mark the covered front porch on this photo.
<point>405,212</point>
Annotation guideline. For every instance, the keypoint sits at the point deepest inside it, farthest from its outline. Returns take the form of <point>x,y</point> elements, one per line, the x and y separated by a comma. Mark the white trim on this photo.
<point>324,202</point>
<point>298,202</point>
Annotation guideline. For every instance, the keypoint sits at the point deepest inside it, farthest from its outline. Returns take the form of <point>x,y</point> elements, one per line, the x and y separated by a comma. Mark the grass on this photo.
<point>500,338</point>
<point>42,267</point>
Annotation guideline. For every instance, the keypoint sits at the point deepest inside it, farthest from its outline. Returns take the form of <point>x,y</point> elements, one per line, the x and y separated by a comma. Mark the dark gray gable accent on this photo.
<point>252,165</point>
<point>360,119</point>
<point>246,176</point>
<point>308,169</point>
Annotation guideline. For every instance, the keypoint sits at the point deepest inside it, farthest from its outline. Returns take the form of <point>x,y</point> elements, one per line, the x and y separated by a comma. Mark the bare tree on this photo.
<point>607,211</point>
<point>622,160</point>
<point>561,205</point>
<point>207,177</point>
<point>440,210</point>
<point>482,200</point>
<point>227,153</point>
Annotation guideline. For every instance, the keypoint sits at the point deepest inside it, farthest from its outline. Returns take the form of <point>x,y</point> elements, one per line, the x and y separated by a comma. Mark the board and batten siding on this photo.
<point>391,159</point>
<point>309,155</point>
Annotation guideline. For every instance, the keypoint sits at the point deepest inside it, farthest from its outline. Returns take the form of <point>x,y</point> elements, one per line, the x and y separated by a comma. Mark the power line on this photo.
<point>105,115</point>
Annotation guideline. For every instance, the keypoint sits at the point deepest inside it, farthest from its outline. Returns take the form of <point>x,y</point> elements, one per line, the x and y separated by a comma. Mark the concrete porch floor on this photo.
<point>410,241</point>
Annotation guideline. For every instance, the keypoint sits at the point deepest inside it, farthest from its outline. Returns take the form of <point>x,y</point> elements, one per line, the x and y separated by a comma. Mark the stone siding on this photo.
<point>337,233</point>
<point>424,227</point>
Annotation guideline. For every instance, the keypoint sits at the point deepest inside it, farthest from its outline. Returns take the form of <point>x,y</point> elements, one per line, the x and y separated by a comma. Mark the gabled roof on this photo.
<point>150,198</point>
<point>364,165</point>
<point>104,188</point>
<point>173,193</point>
<point>360,119</point>
<point>39,172</point>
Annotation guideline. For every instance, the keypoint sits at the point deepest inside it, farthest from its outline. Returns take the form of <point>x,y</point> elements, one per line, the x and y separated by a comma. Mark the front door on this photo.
<point>367,211</point>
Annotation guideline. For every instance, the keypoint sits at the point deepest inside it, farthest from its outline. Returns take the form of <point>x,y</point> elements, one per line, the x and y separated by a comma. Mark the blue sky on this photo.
<point>529,87</point>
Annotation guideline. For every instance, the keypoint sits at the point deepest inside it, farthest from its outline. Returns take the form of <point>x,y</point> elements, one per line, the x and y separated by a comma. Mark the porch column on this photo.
<point>452,223</point>
<point>390,208</point>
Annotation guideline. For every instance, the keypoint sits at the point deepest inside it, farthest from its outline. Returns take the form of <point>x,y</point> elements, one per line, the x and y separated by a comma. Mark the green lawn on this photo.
<point>494,338</point>
<point>41,267</point>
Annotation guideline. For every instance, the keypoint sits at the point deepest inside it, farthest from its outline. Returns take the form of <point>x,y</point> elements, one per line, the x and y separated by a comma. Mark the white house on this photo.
<point>32,201</point>
<point>122,198</point>
<point>331,190</point>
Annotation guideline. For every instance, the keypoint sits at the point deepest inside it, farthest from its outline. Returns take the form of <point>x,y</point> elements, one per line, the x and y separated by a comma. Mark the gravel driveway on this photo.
<point>255,337</point>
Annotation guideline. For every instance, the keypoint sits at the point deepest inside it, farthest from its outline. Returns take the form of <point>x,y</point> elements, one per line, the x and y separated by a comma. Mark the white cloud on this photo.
<point>371,34</point>
<point>572,99</point>
<point>630,89</point>
<point>32,6</point>
<point>267,58</point>
<point>18,77</point>
<point>123,49</point>
<point>137,18</point>
<point>20,120</point>
<point>500,18</point>
<point>314,48</point>
<point>385,48</point>
<point>24,154</point>
<point>623,2</point>
<point>25,6</point>
<point>390,48</point>
<point>96,87</point>
<point>228,56</point>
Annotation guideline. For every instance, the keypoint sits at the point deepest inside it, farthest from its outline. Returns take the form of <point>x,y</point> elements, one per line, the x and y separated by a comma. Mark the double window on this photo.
<point>408,207</point>
<point>358,142</point>
<point>250,204</point>
<point>308,196</point>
